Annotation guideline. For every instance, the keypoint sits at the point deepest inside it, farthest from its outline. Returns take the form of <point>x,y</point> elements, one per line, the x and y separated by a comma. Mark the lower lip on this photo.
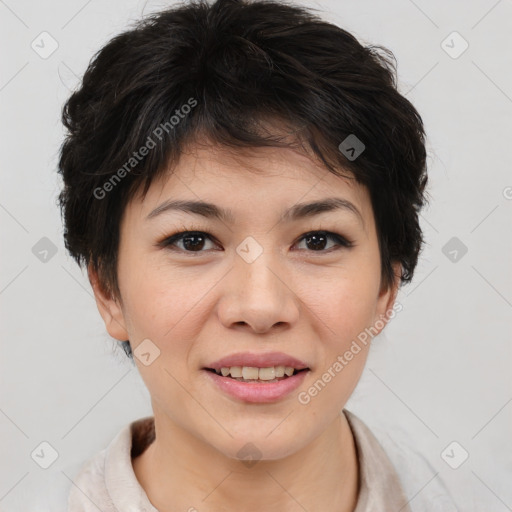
<point>256,392</point>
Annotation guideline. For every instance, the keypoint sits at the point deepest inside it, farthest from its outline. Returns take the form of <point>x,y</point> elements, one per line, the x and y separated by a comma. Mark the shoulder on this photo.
<point>421,484</point>
<point>107,478</point>
<point>88,490</point>
<point>379,485</point>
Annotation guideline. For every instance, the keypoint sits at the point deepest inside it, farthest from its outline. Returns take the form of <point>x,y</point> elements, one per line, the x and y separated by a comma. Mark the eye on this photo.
<point>317,240</point>
<point>194,241</point>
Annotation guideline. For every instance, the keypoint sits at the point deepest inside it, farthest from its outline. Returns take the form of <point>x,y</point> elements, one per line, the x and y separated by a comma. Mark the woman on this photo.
<point>242,181</point>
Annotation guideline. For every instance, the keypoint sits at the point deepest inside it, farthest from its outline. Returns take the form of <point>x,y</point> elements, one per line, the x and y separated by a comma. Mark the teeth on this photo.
<point>236,371</point>
<point>253,373</point>
<point>279,371</point>
<point>267,373</point>
<point>249,372</point>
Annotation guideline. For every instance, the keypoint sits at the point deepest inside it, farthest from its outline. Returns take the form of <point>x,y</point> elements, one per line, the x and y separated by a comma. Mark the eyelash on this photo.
<point>167,242</point>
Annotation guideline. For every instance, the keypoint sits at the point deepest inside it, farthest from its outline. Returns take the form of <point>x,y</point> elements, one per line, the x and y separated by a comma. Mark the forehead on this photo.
<point>264,166</point>
<point>250,179</point>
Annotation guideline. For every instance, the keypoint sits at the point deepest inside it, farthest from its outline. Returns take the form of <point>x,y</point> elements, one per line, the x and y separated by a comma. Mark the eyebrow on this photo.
<point>296,212</point>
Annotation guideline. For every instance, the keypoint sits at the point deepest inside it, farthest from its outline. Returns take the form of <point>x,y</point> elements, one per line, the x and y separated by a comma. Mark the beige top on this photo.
<point>108,483</point>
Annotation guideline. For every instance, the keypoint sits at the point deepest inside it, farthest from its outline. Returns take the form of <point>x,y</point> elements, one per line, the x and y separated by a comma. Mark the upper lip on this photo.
<point>265,360</point>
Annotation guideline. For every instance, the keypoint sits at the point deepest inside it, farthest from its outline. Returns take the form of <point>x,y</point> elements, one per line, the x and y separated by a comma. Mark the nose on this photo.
<point>258,296</point>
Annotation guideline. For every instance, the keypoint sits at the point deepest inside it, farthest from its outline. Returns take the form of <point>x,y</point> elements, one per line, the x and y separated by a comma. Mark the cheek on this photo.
<point>345,304</point>
<point>155,298</point>
<point>345,314</point>
<point>350,312</point>
<point>161,307</point>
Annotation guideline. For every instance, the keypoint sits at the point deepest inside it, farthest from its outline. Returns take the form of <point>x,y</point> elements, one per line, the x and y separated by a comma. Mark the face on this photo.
<point>257,283</point>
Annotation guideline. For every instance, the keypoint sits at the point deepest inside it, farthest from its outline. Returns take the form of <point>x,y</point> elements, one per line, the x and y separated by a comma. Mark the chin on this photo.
<point>259,447</point>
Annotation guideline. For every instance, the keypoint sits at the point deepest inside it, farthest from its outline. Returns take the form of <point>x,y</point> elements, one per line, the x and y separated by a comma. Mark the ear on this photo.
<point>387,298</point>
<point>109,308</point>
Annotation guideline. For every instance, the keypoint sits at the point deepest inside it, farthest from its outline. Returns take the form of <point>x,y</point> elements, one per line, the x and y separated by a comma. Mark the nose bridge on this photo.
<point>258,294</point>
<point>256,267</point>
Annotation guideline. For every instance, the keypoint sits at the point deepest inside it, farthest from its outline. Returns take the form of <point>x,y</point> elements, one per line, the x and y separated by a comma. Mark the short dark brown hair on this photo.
<point>221,72</point>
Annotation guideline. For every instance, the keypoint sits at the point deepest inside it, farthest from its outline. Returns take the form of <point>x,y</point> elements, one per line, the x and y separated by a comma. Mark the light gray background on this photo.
<point>440,372</point>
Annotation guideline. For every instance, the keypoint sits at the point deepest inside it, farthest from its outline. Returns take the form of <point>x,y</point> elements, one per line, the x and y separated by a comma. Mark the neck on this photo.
<point>180,472</point>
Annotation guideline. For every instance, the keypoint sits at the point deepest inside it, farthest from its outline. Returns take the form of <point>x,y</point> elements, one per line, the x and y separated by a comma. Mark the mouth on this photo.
<point>253,384</point>
<point>257,375</point>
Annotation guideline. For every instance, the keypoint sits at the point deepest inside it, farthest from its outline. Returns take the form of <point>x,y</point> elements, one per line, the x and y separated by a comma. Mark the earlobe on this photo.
<point>108,308</point>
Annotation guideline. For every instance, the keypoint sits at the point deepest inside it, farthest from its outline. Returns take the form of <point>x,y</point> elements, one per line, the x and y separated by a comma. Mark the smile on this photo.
<point>254,374</point>
<point>256,390</point>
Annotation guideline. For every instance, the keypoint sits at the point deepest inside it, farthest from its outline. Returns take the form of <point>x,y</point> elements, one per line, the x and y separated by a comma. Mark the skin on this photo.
<point>197,305</point>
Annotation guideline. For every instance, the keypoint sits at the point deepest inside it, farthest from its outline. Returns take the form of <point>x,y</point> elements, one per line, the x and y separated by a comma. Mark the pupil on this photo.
<point>193,245</point>
<point>316,237</point>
